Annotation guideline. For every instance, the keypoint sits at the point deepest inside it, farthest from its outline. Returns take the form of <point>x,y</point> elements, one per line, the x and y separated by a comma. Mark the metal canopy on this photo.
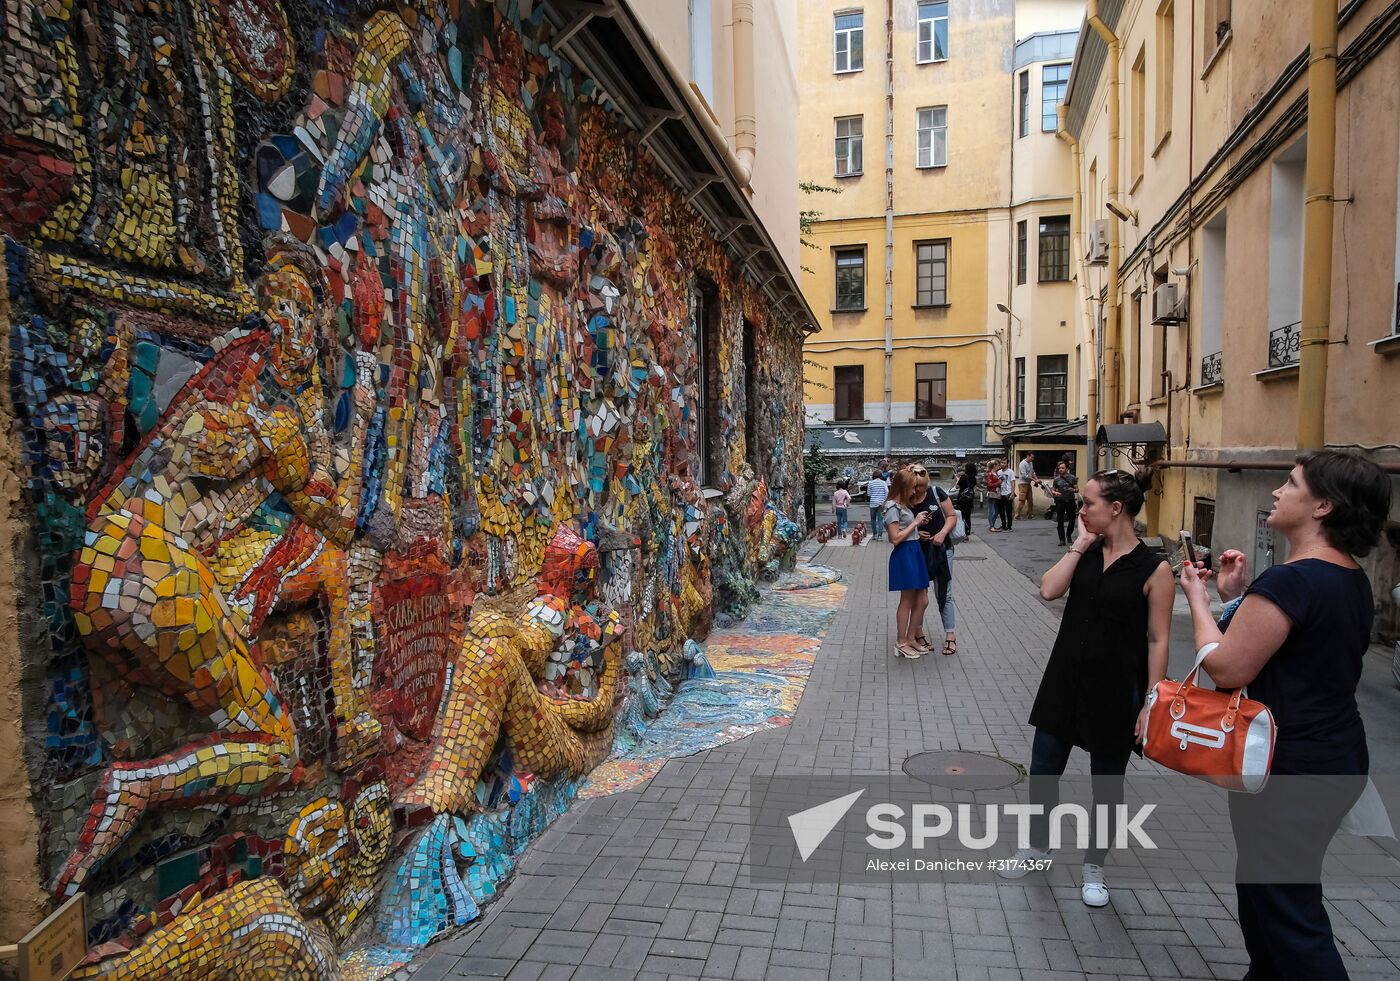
<point>607,41</point>
<point>1119,433</point>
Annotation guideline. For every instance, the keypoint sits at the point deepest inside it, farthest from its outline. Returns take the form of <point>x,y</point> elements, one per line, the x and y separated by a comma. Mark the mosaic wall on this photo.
<point>354,354</point>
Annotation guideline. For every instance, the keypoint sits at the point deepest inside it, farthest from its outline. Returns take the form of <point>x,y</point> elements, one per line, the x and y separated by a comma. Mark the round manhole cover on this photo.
<point>964,771</point>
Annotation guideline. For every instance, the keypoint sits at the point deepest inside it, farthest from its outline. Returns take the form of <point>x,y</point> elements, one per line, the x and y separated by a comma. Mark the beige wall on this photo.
<point>775,194</point>
<point>1255,412</point>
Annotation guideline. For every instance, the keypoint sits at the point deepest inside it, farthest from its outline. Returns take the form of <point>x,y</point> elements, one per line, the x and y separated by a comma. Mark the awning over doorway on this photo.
<point>1120,433</point>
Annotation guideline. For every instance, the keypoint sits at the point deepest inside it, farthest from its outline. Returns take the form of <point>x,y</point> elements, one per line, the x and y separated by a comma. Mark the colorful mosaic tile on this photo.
<point>356,355</point>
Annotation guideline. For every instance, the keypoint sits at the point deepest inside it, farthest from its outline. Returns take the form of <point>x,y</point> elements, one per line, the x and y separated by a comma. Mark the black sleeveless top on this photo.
<point>1096,681</point>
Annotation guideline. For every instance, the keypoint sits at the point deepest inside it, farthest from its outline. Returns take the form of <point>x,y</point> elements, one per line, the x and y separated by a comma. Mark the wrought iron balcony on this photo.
<point>1284,343</point>
<point>1211,372</point>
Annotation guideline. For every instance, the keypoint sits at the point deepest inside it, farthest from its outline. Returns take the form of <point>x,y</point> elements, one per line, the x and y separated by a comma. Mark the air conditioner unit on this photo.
<point>1098,244</point>
<point>1168,304</point>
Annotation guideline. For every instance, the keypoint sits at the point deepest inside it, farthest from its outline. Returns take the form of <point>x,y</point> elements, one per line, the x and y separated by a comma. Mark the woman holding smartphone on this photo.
<point>908,570</point>
<point>1110,652</point>
<point>1298,638</point>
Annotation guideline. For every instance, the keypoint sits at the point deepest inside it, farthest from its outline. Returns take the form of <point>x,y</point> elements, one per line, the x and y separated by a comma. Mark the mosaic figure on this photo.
<point>355,355</point>
<point>231,494</point>
<point>495,688</point>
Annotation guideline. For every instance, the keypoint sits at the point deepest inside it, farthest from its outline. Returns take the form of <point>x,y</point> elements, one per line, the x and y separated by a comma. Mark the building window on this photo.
<point>1138,132</point>
<point>850,41</point>
<point>1213,264</point>
<point>1215,25</point>
<point>1025,102</point>
<point>1052,372</point>
<point>1166,55</point>
<point>933,137</point>
<point>1054,79</point>
<point>933,32</point>
<point>850,393</point>
<point>1159,341</point>
<point>1135,374</point>
<point>850,278</point>
<point>1054,249</point>
<point>931,390</point>
<point>702,48</point>
<point>850,145</point>
<point>707,329</point>
<point>1021,253</point>
<point>1020,389</point>
<point>1286,254</point>
<point>931,274</point>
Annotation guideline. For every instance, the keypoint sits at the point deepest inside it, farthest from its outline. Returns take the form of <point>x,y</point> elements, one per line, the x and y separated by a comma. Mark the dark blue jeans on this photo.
<point>1049,756</point>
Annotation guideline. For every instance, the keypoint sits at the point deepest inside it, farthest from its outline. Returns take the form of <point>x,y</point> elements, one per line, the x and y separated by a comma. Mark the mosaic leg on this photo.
<point>491,688</point>
<point>251,931</point>
<point>147,603</point>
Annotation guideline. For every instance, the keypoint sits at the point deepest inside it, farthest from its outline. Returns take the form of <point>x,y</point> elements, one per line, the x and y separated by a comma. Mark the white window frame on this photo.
<point>1044,85</point>
<point>932,136</point>
<point>847,34</point>
<point>927,32</point>
<point>854,162</point>
<point>938,249</point>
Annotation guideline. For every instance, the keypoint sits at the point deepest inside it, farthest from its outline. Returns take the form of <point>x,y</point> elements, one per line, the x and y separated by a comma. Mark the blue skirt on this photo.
<point>908,570</point>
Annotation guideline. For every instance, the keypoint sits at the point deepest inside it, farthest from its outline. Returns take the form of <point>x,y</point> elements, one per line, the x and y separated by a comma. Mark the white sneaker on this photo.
<point>1093,891</point>
<point>1026,860</point>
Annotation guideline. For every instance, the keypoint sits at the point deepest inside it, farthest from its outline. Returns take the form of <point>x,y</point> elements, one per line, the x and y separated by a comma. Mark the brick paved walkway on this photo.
<point>648,884</point>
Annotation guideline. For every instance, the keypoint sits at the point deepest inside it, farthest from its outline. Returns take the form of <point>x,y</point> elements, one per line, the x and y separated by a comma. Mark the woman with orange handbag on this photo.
<point>1110,651</point>
<point>1298,639</point>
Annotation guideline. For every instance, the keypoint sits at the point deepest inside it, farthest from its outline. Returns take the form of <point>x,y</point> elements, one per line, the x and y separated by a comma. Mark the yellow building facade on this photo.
<point>910,110</point>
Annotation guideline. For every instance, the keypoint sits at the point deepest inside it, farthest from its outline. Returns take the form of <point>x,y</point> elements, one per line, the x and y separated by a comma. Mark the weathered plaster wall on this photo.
<point>19,824</point>
<point>365,370</point>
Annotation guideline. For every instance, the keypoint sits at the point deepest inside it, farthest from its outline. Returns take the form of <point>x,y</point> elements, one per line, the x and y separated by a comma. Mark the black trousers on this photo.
<point>1008,507</point>
<point>1049,756</point>
<point>1064,520</point>
<point>1289,826</point>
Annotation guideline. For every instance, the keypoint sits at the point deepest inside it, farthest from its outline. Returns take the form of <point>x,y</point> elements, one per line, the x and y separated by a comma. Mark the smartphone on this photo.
<point>1188,547</point>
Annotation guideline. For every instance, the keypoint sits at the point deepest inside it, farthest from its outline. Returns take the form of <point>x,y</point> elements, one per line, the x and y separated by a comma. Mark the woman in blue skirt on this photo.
<point>908,570</point>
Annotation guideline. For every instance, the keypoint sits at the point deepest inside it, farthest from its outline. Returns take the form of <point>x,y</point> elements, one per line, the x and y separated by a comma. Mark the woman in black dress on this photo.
<point>1111,650</point>
<point>1298,639</point>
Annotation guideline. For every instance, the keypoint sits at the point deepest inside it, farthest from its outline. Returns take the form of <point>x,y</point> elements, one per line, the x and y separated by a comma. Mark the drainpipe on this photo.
<point>745,121</point>
<point>1317,226</point>
<point>740,168</point>
<point>1091,380</point>
<point>889,222</point>
<point>1112,400</point>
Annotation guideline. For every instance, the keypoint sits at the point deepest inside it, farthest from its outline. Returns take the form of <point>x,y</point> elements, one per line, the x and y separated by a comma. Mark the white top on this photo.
<point>1008,479</point>
<point>1027,471</point>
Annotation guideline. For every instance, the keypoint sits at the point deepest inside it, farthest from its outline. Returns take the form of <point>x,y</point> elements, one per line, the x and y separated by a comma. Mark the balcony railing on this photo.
<point>1211,373</point>
<point>1284,344</point>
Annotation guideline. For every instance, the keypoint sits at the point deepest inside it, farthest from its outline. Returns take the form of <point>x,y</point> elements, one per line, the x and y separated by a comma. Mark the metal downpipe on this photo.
<point>1318,210</point>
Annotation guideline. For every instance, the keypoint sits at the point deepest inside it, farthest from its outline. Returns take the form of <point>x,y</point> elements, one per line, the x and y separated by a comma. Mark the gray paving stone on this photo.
<point>652,882</point>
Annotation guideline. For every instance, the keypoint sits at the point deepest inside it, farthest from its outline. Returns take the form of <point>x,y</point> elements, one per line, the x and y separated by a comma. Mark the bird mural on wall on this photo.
<point>931,433</point>
<point>846,435</point>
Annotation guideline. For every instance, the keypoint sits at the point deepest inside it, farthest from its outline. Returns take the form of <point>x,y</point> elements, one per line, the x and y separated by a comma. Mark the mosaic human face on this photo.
<point>290,306</point>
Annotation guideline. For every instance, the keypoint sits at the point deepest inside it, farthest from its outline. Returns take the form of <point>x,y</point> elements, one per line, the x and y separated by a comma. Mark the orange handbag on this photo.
<point>1222,737</point>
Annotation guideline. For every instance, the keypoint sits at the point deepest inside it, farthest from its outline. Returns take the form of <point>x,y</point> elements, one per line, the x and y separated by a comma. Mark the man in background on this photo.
<point>879,490</point>
<point>1025,481</point>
